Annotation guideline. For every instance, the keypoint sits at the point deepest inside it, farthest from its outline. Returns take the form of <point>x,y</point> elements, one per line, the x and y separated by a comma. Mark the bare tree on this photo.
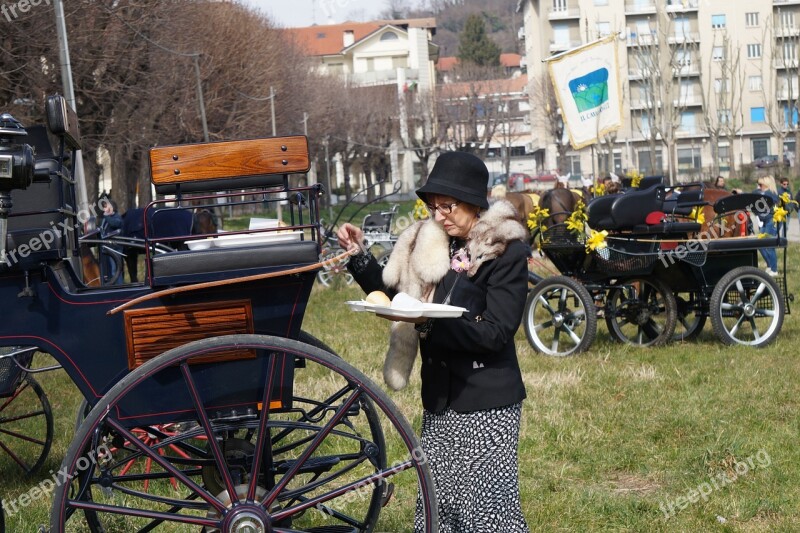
<point>780,90</point>
<point>722,97</point>
<point>470,115</point>
<point>547,116</point>
<point>659,98</point>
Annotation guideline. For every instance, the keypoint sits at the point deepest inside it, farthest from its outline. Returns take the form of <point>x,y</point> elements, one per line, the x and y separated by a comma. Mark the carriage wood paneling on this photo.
<point>228,159</point>
<point>153,331</point>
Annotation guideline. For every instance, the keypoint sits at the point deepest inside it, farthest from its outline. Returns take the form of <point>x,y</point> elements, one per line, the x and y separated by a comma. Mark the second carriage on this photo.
<point>655,273</point>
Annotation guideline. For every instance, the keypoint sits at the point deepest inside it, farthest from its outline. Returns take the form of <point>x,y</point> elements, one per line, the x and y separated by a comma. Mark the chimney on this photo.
<point>349,38</point>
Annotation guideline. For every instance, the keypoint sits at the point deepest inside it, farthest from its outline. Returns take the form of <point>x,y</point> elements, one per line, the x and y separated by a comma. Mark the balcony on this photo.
<point>563,14</point>
<point>686,71</point>
<point>639,104</point>
<point>685,37</point>
<point>786,32</point>
<point>639,73</point>
<point>682,5</point>
<point>640,7</point>
<point>784,94</point>
<point>688,100</point>
<point>642,39</point>
<point>562,46</point>
<point>785,64</point>
<point>781,3</point>
<point>381,77</point>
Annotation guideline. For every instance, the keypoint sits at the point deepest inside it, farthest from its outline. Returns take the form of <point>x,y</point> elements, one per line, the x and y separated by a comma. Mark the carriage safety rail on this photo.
<point>13,366</point>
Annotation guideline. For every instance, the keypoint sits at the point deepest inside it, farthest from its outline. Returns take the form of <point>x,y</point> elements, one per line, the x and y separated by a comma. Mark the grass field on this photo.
<point>694,436</point>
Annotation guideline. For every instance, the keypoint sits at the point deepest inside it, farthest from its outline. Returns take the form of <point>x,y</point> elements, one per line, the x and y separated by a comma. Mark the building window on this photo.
<point>389,36</point>
<point>646,165</point>
<point>687,123</point>
<point>760,147</point>
<point>753,51</point>
<point>755,83</point>
<point>561,34</point>
<point>644,125</point>
<point>720,85</point>
<point>757,115</point>
<point>789,52</point>
<point>787,19</point>
<point>724,157</point>
<point>559,5</point>
<point>724,116</point>
<point>718,53</point>
<point>603,28</point>
<point>516,151</point>
<point>790,117</point>
<point>601,2</point>
<point>574,164</point>
<point>682,27</point>
<point>751,19</point>
<point>717,21</point>
<point>689,158</point>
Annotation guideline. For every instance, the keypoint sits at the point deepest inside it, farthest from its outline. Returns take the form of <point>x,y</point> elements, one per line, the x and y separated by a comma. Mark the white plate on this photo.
<point>427,311</point>
<point>246,239</point>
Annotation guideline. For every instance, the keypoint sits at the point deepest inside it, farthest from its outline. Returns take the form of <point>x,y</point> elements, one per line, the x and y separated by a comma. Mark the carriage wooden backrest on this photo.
<point>227,165</point>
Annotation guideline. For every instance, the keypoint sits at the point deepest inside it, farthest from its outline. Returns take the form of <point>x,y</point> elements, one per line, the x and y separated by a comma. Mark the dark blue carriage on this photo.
<point>208,405</point>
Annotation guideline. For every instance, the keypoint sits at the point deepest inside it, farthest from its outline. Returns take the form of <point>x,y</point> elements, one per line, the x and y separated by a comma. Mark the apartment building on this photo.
<point>708,85</point>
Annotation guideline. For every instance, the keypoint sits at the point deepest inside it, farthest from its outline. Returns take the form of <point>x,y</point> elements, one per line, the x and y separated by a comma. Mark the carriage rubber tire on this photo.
<point>29,381</point>
<point>177,356</point>
<point>724,284</point>
<point>577,290</point>
<point>670,312</point>
<point>696,328</point>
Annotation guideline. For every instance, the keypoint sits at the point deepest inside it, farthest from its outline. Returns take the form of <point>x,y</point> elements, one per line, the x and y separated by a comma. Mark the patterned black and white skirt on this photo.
<point>473,460</point>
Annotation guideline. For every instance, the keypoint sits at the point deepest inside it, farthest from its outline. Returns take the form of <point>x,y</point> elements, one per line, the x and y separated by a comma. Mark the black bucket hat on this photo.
<point>460,175</point>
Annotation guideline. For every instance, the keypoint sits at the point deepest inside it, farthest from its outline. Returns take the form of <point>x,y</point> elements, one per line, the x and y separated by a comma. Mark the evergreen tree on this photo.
<point>475,46</point>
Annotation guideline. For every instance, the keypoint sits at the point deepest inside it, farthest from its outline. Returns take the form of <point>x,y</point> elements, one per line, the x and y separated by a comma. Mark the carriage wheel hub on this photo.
<point>749,310</point>
<point>248,522</point>
<point>558,320</point>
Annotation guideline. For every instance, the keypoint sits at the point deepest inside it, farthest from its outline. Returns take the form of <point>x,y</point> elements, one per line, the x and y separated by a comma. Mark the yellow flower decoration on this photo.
<point>536,217</point>
<point>599,189</point>
<point>577,220</point>
<point>779,215</point>
<point>787,200</point>
<point>636,178</point>
<point>762,235</point>
<point>596,240</point>
<point>420,211</point>
<point>697,215</point>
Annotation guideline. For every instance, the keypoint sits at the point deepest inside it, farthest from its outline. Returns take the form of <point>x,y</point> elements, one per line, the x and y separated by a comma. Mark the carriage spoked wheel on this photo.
<point>26,425</point>
<point>747,308</point>
<point>691,316</point>
<point>642,312</point>
<point>329,463</point>
<point>560,317</point>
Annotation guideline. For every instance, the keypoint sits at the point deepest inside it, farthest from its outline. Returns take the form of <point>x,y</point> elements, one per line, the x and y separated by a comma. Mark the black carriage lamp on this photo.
<point>16,170</point>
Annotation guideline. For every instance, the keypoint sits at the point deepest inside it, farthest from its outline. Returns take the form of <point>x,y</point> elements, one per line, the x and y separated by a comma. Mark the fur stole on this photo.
<point>421,258</point>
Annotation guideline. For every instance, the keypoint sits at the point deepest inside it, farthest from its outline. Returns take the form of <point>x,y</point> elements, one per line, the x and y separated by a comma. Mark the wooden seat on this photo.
<point>249,166</point>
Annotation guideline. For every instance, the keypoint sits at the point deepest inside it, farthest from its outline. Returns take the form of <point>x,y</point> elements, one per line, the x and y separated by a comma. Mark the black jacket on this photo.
<point>470,363</point>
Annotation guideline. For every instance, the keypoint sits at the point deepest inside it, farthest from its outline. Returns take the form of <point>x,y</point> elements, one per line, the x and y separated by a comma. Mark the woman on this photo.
<point>766,187</point>
<point>473,256</point>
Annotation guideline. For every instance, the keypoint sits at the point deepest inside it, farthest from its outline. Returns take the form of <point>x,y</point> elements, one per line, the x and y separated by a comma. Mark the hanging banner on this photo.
<point>587,86</point>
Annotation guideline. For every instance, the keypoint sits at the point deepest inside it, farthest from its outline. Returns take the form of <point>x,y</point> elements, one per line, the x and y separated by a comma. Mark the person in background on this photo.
<point>766,187</point>
<point>111,222</point>
<point>786,188</point>
<point>719,183</point>
<point>473,256</point>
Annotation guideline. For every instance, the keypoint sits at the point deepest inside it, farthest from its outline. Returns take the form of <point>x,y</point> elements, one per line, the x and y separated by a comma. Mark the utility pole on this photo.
<point>69,94</point>
<point>328,174</point>
<point>196,58</point>
<point>272,106</point>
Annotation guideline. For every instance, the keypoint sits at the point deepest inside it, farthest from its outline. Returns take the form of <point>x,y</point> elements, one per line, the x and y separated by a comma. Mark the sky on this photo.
<point>295,13</point>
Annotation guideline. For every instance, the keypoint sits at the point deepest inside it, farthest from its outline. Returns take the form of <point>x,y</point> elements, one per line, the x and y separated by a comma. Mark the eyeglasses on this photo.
<point>444,209</point>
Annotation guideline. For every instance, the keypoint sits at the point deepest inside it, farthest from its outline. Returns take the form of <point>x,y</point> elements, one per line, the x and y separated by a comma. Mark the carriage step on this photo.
<point>317,465</point>
<point>332,529</point>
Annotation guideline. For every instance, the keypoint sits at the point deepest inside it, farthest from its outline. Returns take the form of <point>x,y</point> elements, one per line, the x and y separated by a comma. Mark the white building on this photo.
<point>390,52</point>
<point>723,120</point>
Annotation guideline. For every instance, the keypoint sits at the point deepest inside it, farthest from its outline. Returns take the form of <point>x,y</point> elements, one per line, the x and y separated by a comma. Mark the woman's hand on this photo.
<point>350,236</point>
